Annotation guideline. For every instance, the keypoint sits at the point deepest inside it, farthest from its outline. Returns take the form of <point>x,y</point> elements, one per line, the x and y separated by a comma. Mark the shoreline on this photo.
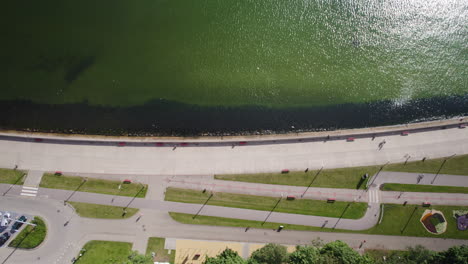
<point>331,135</point>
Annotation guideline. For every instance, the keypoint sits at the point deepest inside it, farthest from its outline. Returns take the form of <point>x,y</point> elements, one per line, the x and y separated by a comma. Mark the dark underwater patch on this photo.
<point>162,117</point>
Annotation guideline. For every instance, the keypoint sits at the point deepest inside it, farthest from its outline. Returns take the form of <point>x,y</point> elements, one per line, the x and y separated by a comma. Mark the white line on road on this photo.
<point>28,194</point>
<point>29,191</point>
<point>32,188</point>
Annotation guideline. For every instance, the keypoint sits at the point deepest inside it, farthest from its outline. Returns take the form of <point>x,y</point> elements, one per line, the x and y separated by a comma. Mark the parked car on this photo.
<point>17,225</point>
<point>4,238</point>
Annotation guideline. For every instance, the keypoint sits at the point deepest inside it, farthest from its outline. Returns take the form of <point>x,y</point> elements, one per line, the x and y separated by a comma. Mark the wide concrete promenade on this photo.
<point>203,160</point>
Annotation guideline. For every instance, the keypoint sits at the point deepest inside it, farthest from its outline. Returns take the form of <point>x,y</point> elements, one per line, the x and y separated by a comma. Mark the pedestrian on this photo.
<point>124,213</point>
<point>306,170</point>
<point>16,166</point>
<point>424,159</point>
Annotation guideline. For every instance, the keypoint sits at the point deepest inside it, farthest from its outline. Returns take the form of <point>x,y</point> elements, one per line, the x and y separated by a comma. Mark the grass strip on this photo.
<point>31,236</point>
<point>265,203</point>
<point>83,184</point>
<point>422,188</point>
<point>156,245</point>
<point>456,165</point>
<point>12,176</point>
<point>398,220</point>
<point>102,211</point>
<point>349,178</point>
<point>105,252</point>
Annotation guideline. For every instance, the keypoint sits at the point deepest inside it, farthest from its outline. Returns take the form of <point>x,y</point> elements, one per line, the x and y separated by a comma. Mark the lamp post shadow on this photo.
<point>134,197</point>
<point>79,186</point>
<point>409,219</point>
<point>207,200</point>
<point>310,184</point>
<point>274,207</point>
<point>19,244</point>
<point>341,216</point>
<point>16,181</point>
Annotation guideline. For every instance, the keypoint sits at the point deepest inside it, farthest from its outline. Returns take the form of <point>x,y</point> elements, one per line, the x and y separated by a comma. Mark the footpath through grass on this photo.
<point>156,245</point>
<point>80,184</point>
<point>423,188</point>
<point>30,237</point>
<point>398,220</point>
<point>102,211</point>
<point>349,178</point>
<point>12,176</point>
<point>105,252</point>
<point>457,165</point>
<point>264,203</point>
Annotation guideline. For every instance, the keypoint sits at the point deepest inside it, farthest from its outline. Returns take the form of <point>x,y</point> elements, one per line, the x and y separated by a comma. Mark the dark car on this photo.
<point>4,238</point>
<point>17,225</point>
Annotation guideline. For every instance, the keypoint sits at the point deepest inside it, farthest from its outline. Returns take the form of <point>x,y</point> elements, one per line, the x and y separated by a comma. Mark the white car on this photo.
<point>5,219</point>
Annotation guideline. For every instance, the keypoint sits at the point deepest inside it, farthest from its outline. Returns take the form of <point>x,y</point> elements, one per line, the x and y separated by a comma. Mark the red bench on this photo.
<point>184,144</point>
<point>331,200</point>
<point>122,144</point>
<point>58,173</point>
<point>290,197</point>
<point>127,181</point>
<point>426,204</point>
<point>38,140</point>
<point>350,139</point>
<point>404,133</point>
<point>242,143</point>
<point>285,171</point>
<point>159,144</point>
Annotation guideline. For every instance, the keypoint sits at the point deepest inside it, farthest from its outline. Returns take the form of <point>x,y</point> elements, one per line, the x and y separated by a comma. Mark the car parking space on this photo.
<point>11,224</point>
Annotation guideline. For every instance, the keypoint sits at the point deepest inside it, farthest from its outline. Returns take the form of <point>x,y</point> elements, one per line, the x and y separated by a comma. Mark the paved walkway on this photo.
<point>202,160</point>
<point>31,183</point>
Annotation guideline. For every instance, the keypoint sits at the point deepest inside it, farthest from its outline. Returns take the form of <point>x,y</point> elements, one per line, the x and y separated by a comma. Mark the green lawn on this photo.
<point>102,211</point>
<point>264,203</point>
<point>93,185</point>
<point>105,252</point>
<point>30,237</point>
<point>422,188</point>
<point>12,176</point>
<point>456,165</point>
<point>156,245</point>
<point>332,178</point>
<point>393,223</point>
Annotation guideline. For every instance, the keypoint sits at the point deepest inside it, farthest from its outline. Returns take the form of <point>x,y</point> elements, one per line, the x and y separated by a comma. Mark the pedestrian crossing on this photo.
<point>374,196</point>
<point>29,191</point>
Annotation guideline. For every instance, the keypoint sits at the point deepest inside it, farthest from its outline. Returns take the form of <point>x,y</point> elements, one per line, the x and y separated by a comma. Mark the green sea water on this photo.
<point>232,52</point>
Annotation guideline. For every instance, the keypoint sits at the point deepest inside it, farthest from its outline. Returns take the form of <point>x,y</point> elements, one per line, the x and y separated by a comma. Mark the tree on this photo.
<point>305,255</point>
<point>419,255</point>
<point>454,255</point>
<point>136,258</point>
<point>342,253</point>
<point>269,254</point>
<point>228,256</point>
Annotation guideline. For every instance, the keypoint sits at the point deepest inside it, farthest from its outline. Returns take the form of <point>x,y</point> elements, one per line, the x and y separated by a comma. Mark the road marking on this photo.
<point>29,191</point>
<point>32,188</point>
<point>28,194</point>
<point>374,196</point>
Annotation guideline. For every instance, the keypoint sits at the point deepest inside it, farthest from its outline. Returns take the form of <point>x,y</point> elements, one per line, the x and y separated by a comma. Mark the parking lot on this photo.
<point>11,223</point>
